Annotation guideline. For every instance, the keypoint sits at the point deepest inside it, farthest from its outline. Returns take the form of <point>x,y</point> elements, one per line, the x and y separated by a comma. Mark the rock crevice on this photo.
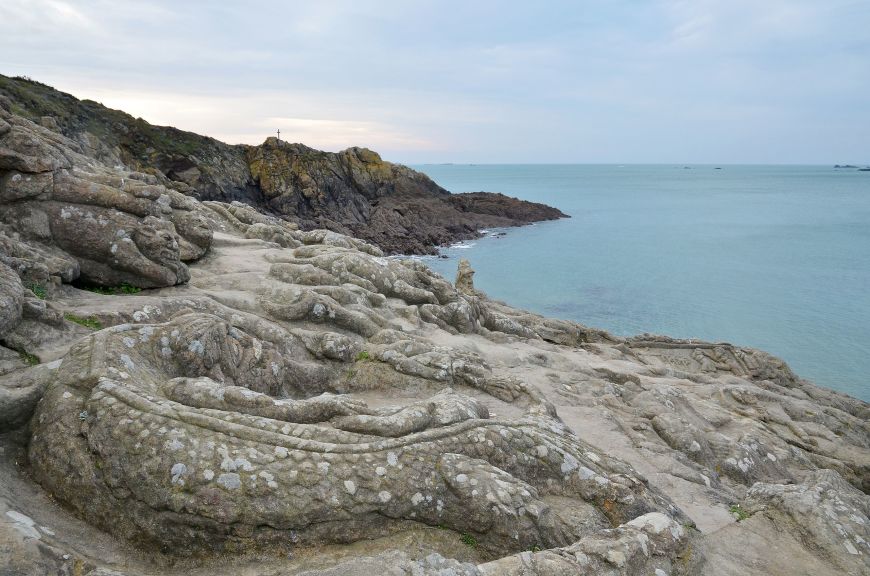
<point>237,390</point>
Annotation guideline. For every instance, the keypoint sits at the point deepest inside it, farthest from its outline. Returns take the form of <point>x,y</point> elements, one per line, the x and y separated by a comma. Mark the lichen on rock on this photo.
<point>292,401</point>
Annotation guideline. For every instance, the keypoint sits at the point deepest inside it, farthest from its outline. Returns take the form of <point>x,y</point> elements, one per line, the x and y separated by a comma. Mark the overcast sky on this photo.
<point>731,81</point>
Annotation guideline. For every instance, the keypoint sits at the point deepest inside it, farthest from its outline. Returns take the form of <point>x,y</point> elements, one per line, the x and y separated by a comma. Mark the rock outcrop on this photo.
<point>353,192</point>
<point>465,278</point>
<point>289,401</point>
<point>66,218</point>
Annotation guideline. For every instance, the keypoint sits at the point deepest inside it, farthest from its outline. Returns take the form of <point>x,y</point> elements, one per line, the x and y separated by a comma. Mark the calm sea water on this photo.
<point>774,257</point>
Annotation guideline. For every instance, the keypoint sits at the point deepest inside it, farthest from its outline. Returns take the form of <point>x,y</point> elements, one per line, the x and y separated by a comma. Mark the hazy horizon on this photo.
<point>658,82</point>
<point>675,164</point>
<point>520,162</point>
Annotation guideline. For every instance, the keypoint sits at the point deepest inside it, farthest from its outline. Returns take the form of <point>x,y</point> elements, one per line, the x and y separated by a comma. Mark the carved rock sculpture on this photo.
<point>306,405</point>
<point>80,221</point>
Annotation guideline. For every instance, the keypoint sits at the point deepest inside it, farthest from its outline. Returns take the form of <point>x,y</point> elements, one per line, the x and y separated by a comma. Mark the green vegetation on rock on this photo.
<point>468,540</point>
<point>738,512</point>
<point>137,139</point>
<point>121,289</point>
<point>363,356</point>
<point>30,359</point>
<point>89,322</point>
<point>38,291</point>
<point>355,191</point>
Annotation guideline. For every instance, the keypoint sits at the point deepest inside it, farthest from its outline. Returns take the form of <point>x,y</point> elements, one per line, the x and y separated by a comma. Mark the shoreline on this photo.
<point>585,374</point>
<point>690,280</point>
<point>237,391</point>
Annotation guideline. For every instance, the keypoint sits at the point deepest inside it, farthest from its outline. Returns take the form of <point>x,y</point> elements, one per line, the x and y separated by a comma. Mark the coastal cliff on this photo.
<point>352,192</point>
<point>192,386</point>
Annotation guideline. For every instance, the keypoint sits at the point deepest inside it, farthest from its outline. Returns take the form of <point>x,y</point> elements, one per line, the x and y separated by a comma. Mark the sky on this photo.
<point>658,81</point>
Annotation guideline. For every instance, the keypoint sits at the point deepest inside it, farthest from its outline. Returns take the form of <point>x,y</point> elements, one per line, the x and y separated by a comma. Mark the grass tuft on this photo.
<point>739,512</point>
<point>38,290</point>
<point>31,359</point>
<point>89,322</point>
<point>121,289</point>
<point>363,356</point>
<point>128,289</point>
<point>468,540</point>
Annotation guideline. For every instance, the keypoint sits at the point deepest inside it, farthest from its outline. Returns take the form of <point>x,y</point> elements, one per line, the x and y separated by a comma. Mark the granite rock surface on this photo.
<point>284,401</point>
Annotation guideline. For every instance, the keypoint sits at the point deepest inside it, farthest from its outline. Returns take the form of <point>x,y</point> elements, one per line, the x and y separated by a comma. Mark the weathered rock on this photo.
<point>649,544</point>
<point>234,415</point>
<point>20,392</point>
<point>465,277</point>
<point>89,223</point>
<point>351,192</point>
<point>305,405</point>
<point>11,299</point>
<point>35,263</point>
<point>130,420</point>
<point>818,527</point>
<point>826,512</point>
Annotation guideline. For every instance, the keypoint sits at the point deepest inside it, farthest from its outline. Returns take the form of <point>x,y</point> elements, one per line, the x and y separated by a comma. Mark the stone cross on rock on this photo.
<point>279,133</point>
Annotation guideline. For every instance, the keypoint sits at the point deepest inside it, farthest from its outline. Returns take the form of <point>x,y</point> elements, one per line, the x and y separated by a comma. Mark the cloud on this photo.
<point>340,134</point>
<point>241,120</point>
<point>662,80</point>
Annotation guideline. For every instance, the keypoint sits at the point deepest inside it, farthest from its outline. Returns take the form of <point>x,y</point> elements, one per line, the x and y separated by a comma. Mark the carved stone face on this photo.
<point>193,226</point>
<point>156,241</point>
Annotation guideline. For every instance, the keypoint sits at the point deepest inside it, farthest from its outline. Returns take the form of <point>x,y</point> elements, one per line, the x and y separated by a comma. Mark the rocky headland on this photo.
<point>193,385</point>
<point>352,192</point>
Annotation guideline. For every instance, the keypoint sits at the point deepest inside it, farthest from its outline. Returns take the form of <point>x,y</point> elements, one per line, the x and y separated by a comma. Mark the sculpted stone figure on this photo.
<point>305,405</point>
<point>465,277</point>
<point>114,247</point>
<point>185,434</point>
<point>194,234</point>
<point>119,230</point>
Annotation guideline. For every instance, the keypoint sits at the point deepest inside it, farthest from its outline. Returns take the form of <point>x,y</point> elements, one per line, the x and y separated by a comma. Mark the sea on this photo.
<point>772,257</point>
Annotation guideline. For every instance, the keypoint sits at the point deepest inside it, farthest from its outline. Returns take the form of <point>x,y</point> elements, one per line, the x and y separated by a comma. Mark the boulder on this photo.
<point>90,223</point>
<point>11,299</point>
